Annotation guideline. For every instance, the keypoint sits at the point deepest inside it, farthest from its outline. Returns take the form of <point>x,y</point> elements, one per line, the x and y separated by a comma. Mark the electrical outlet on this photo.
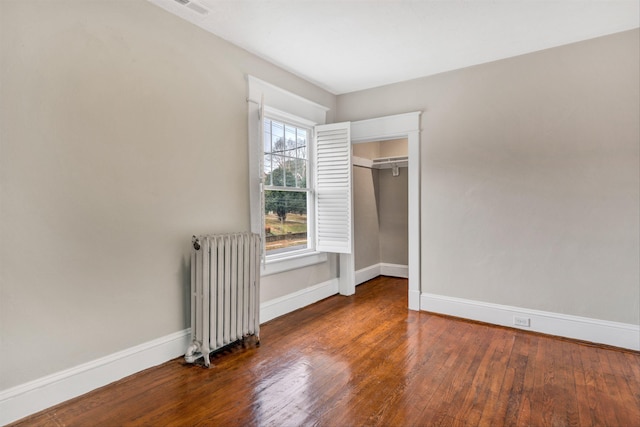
<point>522,321</point>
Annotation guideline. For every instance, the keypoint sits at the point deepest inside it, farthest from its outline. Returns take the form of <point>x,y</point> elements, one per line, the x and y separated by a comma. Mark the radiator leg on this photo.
<point>192,353</point>
<point>206,350</point>
<point>249,340</point>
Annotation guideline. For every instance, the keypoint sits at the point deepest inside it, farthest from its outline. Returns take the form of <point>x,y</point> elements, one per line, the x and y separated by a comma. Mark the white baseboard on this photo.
<point>291,302</point>
<point>367,273</point>
<point>621,335</point>
<point>394,270</point>
<point>381,269</point>
<point>34,396</point>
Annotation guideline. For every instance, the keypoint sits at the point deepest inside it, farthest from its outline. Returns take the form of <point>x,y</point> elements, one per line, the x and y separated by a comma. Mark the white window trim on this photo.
<point>286,101</point>
<point>288,118</point>
<point>291,108</point>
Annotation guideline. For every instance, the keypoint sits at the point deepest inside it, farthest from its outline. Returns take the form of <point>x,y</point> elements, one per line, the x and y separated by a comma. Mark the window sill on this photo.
<point>292,262</point>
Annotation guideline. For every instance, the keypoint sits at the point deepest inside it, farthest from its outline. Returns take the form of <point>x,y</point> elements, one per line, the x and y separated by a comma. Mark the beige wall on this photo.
<point>394,148</point>
<point>288,282</point>
<point>530,177</point>
<point>123,132</point>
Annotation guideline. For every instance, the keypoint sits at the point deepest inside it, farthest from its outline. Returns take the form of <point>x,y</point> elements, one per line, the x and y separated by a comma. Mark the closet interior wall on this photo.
<point>380,207</point>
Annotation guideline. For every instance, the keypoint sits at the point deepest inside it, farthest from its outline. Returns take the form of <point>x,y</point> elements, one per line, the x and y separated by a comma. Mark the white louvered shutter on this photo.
<point>333,188</point>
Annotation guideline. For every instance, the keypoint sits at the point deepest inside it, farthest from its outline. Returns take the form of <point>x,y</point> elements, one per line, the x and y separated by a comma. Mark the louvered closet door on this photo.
<point>333,188</point>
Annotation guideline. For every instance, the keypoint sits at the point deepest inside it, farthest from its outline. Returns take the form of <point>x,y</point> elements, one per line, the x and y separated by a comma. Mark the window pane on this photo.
<point>286,149</point>
<point>267,169</point>
<point>277,144</point>
<point>290,172</point>
<point>285,221</point>
<point>277,170</point>
<point>290,136</point>
<point>267,142</point>
<point>290,154</point>
<point>302,138</point>
<point>277,137</point>
<point>301,173</point>
<point>267,135</point>
<point>277,129</point>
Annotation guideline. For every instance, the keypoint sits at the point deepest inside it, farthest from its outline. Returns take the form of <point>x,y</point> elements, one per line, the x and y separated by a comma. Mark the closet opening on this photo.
<point>399,126</point>
<point>380,207</point>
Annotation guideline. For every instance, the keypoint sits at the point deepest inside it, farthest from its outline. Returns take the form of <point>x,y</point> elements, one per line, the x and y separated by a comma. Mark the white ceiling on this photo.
<point>345,46</point>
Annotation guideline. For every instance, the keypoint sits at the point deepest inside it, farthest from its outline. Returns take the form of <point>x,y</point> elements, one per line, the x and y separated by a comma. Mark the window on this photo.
<point>287,192</point>
<point>299,188</point>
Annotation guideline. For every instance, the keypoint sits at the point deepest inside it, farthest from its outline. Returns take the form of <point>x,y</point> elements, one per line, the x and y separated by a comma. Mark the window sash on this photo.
<point>300,135</point>
<point>282,253</point>
<point>288,155</point>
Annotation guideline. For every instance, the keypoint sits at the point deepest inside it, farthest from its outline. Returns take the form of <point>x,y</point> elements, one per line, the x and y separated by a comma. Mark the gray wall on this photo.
<point>366,222</point>
<point>530,177</point>
<point>123,132</point>
<point>394,217</point>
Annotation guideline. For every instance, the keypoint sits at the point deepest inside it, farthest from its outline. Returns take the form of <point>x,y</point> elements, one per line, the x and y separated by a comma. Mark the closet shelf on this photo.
<point>389,162</point>
<point>381,162</point>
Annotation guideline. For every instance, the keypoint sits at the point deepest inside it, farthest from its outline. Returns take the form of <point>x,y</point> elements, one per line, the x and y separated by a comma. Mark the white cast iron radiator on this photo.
<point>225,286</point>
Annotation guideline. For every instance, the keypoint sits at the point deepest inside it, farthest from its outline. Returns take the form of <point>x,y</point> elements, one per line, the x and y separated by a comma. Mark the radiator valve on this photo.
<point>196,243</point>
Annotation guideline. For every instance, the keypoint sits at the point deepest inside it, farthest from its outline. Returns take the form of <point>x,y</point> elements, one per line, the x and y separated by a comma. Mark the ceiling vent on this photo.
<point>194,6</point>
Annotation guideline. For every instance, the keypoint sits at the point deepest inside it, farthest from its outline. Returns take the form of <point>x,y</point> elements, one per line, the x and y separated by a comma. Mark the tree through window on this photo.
<point>285,183</point>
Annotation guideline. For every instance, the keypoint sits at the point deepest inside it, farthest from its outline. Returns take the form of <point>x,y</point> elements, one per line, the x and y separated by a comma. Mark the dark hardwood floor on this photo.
<point>367,360</point>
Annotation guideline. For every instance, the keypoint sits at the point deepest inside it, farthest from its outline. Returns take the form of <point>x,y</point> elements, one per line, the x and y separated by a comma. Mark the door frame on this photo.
<point>398,126</point>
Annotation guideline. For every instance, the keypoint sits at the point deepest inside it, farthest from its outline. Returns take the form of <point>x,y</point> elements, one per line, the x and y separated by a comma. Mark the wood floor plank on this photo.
<point>528,385</point>
<point>499,377</point>
<point>616,386</point>
<point>567,406</point>
<point>366,360</point>
<point>605,402</point>
<point>629,390</point>
<point>512,390</point>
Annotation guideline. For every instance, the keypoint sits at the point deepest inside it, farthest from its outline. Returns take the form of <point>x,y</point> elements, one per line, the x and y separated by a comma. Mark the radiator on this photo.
<point>225,286</point>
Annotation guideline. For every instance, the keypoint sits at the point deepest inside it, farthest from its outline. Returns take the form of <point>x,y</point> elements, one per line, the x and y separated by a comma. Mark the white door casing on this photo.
<point>393,127</point>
